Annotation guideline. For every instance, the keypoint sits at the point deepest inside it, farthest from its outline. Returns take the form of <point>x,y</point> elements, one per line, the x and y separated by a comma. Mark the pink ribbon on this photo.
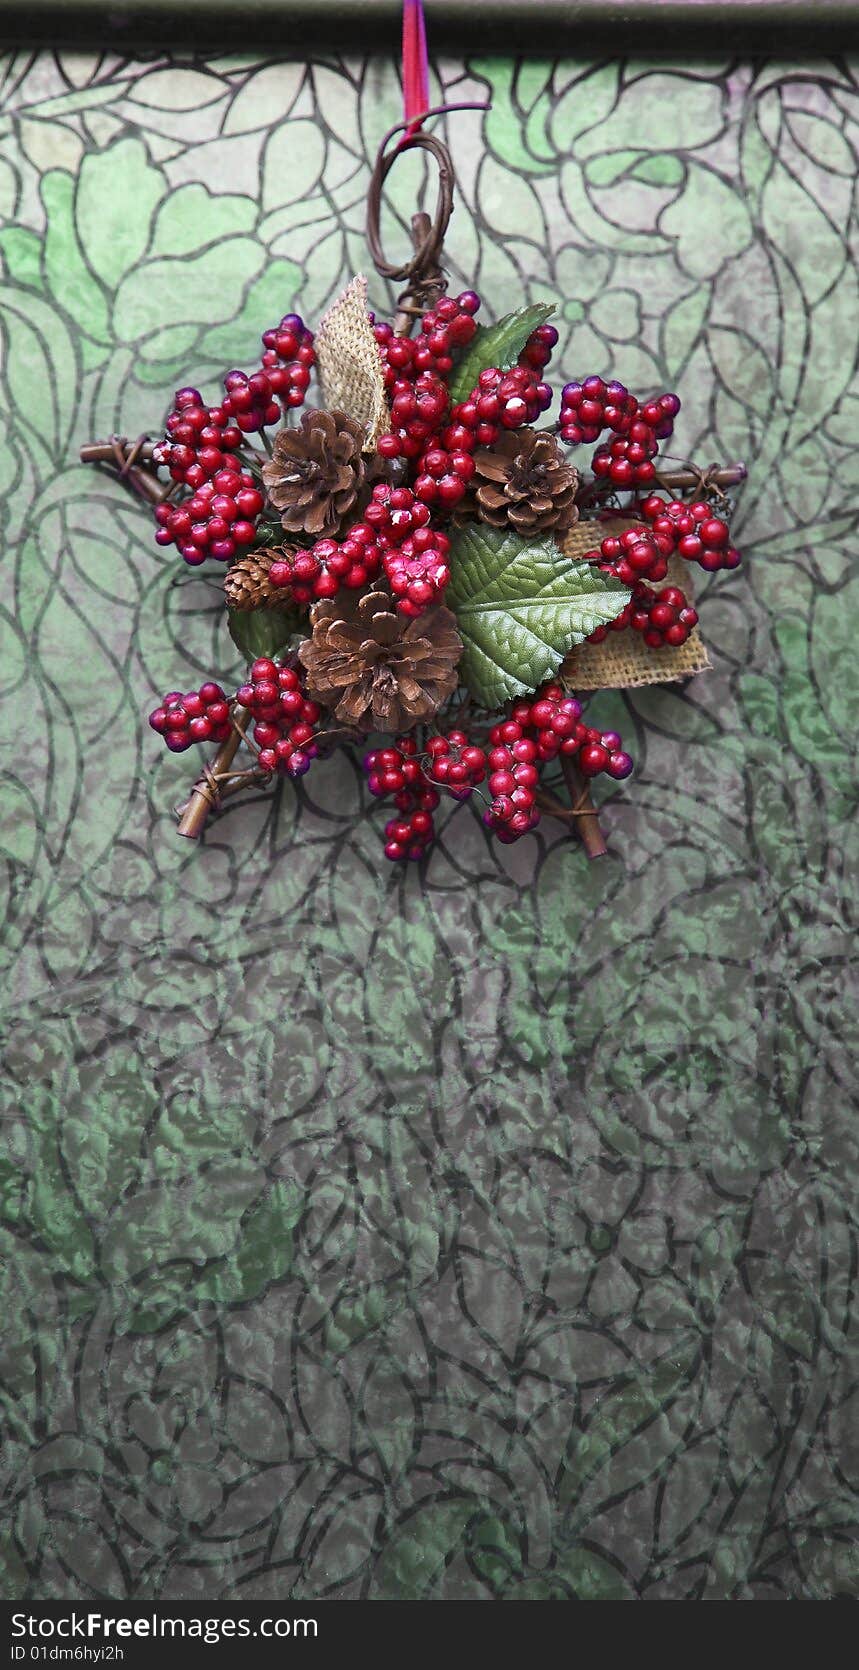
<point>415,67</point>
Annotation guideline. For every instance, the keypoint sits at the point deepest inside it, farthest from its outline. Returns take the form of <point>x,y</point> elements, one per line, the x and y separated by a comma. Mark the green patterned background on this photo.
<point>485,1231</point>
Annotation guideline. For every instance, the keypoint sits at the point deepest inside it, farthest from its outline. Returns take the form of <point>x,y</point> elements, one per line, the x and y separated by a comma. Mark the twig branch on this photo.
<point>731,475</point>
<point>207,791</point>
<point>584,812</point>
<point>673,481</point>
<point>133,463</point>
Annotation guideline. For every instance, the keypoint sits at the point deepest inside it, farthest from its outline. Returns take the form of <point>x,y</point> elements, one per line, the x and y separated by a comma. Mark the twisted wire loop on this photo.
<point>423,273</point>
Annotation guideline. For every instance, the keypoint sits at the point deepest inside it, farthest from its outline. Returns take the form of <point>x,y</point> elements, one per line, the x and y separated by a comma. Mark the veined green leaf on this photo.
<point>520,606</point>
<point>499,344</point>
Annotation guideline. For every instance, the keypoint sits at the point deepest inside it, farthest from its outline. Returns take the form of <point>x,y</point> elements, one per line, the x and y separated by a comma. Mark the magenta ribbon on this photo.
<point>415,68</point>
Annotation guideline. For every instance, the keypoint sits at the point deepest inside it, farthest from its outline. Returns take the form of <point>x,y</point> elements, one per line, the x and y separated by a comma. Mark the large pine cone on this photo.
<point>315,473</point>
<point>377,670</point>
<point>524,481</point>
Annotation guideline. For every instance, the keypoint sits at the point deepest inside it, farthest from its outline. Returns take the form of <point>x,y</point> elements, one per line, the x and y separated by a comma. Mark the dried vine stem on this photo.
<point>207,792</point>
<point>729,475</point>
<point>584,812</point>
<point>133,463</point>
<point>596,491</point>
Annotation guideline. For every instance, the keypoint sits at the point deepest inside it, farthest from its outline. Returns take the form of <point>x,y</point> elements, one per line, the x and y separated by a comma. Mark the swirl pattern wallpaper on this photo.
<point>485,1231</point>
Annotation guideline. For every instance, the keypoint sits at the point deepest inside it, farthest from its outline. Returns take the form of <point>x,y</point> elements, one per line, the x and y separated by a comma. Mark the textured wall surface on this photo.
<point>486,1231</point>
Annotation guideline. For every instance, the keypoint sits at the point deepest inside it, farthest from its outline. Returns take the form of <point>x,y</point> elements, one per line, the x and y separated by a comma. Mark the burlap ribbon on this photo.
<point>349,363</point>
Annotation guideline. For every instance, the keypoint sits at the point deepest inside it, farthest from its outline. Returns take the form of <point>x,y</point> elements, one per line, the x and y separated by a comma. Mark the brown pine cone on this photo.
<point>377,670</point>
<point>524,481</point>
<point>247,585</point>
<point>315,473</point>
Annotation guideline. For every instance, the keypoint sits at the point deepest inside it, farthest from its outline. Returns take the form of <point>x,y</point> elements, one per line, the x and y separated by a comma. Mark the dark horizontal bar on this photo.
<point>774,27</point>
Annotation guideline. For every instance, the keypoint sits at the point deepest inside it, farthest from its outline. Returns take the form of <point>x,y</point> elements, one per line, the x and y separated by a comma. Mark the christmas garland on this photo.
<point>414,561</point>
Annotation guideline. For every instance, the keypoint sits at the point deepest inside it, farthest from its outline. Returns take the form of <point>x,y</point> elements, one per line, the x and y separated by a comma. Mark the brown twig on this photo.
<point>673,481</point>
<point>422,273</point>
<point>207,791</point>
<point>585,814</point>
<point>424,287</point>
<point>133,463</point>
<point>728,475</point>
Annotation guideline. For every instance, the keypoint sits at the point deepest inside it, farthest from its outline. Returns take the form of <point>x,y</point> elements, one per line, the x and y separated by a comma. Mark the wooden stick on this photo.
<point>587,821</point>
<point>192,818</point>
<point>404,321</point>
<point>133,463</point>
<point>104,452</point>
<point>673,481</point>
<point>731,476</point>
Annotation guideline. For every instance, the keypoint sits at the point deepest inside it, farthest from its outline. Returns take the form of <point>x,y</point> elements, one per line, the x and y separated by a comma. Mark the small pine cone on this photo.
<point>524,482</point>
<point>316,472</point>
<point>247,585</point>
<point>376,670</point>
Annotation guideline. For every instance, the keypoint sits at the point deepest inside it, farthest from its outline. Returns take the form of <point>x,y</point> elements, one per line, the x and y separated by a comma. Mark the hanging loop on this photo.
<point>422,274</point>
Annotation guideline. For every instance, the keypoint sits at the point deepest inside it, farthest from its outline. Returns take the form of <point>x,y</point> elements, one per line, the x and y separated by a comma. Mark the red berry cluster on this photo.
<point>513,776</point>
<point>394,513</point>
<point>442,476</point>
<point>397,771</point>
<point>537,351</point>
<point>537,730</point>
<point>552,719</point>
<point>283,715</point>
<point>555,721</point>
<point>201,437</point>
<point>602,751</point>
<point>627,460</point>
<point>418,570</point>
<point>216,520</point>
<point>288,358</point>
<point>694,531</point>
<point>636,554</point>
<point>499,400</point>
<point>590,407</point>
<point>415,371</point>
<point>439,441</point>
<point>198,716</point>
<point>455,763</point>
<point>328,565</point>
<point>221,514</point>
<point>417,410</point>
<point>250,401</point>
<point>449,325</point>
<point>664,617</point>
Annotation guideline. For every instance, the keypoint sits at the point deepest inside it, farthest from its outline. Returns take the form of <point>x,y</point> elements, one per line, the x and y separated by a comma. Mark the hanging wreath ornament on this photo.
<point>415,559</point>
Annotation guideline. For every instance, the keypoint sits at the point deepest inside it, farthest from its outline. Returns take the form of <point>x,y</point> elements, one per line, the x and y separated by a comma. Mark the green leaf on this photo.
<point>213,286</point>
<point>39,353</point>
<point>191,218</point>
<point>69,278</point>
<point>118,192</point>
<point>21,251</point>
<point>520,606</point>
<point>499,344</point>
<point>262,631</point>
<point>266,298</point>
